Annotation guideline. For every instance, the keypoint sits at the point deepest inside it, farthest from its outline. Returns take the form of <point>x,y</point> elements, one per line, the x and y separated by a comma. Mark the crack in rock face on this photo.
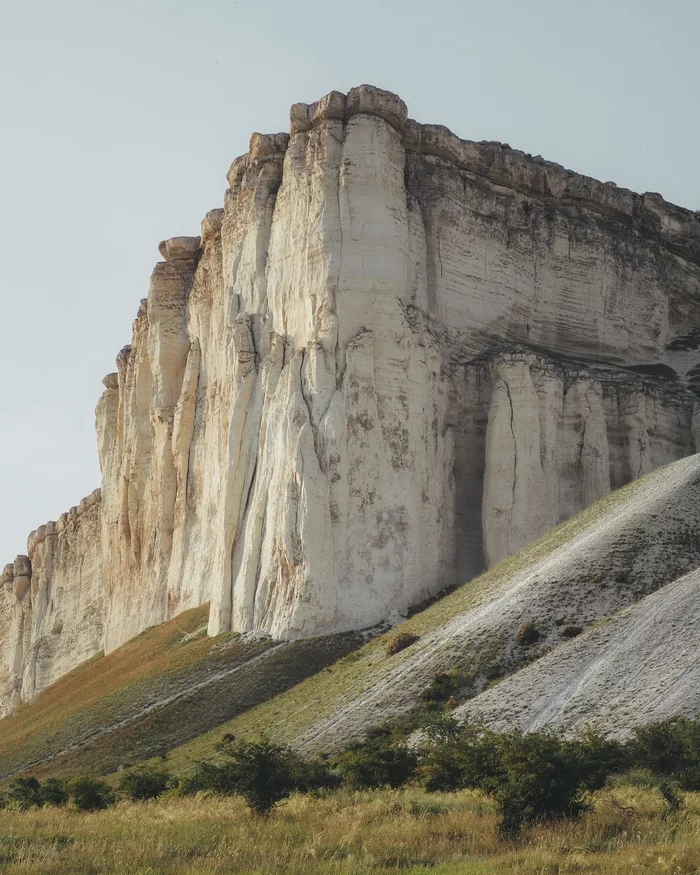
<point>393,358</point>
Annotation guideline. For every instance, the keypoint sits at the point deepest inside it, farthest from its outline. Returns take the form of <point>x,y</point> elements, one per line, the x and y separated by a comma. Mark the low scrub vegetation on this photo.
<point>530,778</point>
<point>528,634</point>
<point>400,642</point>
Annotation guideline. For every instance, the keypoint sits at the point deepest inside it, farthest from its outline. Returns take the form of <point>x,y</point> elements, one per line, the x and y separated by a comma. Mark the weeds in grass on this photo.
<point>352,833</point>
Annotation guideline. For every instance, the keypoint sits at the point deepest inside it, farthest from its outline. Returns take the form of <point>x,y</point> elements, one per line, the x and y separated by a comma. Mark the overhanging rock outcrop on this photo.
<point>393,357</point>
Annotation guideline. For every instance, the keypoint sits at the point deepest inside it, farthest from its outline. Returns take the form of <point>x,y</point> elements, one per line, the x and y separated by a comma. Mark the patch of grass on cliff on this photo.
<point>353,833</point>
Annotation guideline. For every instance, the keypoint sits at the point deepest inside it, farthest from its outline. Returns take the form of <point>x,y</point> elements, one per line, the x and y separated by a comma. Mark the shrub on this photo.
<point>54,792</point>
<point>443,686</point>
<point>207,776</point>
<point>25,793</point>
<point>262,772</point>
<point>313,776</point>
<point>532,777</point>
<point>143,783</point>
<point>571,631</point>
<point>528,634</point>
<point>670,748</point>
<point>400,642</point>
<point>90,794</point>
<point>599,758</point>
<point>453,760</point>
<point>539,778</point>
<point>381,760</point>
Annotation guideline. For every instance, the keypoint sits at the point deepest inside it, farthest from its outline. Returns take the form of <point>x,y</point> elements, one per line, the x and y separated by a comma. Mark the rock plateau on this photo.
<point>392,359</point>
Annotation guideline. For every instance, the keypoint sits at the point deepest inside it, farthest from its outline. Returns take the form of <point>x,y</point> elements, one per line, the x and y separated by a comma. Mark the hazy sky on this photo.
<point>120,120</point>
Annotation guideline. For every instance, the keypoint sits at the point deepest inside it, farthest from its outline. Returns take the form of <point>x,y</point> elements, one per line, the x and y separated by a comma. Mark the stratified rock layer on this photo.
<point>392,358</point>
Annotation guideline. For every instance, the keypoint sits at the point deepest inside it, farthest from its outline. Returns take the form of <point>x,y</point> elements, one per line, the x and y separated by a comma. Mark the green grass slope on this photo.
<point>174,690</point>
<point>624,547</point>
<point>164,687</point>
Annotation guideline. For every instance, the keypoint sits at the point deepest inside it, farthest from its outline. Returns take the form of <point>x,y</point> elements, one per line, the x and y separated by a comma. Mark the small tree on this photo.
<point>465,757</point>
<point>671,749</point>
<point>90,794</point>
<point>379,761</point>
<point>25,793</point>
<point>143,783</point>
<point>54,792</point>
<point>262,772</point>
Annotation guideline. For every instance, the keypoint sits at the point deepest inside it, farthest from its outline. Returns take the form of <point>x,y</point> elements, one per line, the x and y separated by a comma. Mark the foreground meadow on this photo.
<point>627,830</point>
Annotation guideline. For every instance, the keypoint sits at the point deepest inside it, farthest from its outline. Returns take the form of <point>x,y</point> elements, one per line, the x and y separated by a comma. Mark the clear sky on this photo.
<point>120,120</point>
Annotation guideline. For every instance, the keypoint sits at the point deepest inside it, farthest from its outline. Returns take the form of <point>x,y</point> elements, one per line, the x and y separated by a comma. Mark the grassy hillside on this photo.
<point>352,834</point>
<point>166,686</point>
<point>633,542</point>
<point>174,690</point>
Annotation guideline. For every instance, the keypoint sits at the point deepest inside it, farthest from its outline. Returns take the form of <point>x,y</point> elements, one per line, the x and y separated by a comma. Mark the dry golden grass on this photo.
<point>349,833</point>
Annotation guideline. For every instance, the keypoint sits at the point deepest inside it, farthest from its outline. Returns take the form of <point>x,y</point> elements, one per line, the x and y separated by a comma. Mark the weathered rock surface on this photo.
<point>52,605</point>
<point>638,667</point>
<point>392,358</point>
<point>611,572</point>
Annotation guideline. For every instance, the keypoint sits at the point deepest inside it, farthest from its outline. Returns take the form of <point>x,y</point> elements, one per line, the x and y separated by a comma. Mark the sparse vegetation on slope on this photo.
<point>164,687</point>
<point>634,541</point>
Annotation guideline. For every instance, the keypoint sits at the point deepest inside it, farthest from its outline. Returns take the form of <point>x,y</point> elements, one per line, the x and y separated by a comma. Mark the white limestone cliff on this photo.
<point>393,356</point>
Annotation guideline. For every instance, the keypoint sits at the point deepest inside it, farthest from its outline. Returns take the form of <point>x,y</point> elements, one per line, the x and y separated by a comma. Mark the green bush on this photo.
<point>262,772</point>
<point>453,759</point>
<point>24,793</point>
<point>381,760</point>
<point>206,776</point>
<point>139,785</point>
<point>90,794</point>
<point>539,777</point>
<point>313,776</point>
<point>534,776</point>
<point>599,758</point>
<point>671,749</point>
<point>443,686</point>
<point>54,792</point>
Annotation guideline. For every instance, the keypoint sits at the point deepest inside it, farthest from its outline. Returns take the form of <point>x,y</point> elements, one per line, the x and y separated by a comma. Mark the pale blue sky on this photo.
<point>120,120</point>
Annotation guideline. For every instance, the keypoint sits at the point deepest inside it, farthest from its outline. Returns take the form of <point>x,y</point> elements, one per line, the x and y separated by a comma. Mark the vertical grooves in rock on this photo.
<point>301,510</point>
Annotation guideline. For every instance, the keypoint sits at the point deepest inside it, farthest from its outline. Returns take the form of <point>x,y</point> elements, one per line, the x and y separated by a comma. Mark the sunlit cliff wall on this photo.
<point>392,358</point>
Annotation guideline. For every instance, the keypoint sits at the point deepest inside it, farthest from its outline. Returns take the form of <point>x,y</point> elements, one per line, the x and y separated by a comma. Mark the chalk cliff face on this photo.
<point>393,357</point>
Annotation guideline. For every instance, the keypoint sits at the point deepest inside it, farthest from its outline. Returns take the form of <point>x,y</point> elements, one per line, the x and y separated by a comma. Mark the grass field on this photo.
<point>352,834</point>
